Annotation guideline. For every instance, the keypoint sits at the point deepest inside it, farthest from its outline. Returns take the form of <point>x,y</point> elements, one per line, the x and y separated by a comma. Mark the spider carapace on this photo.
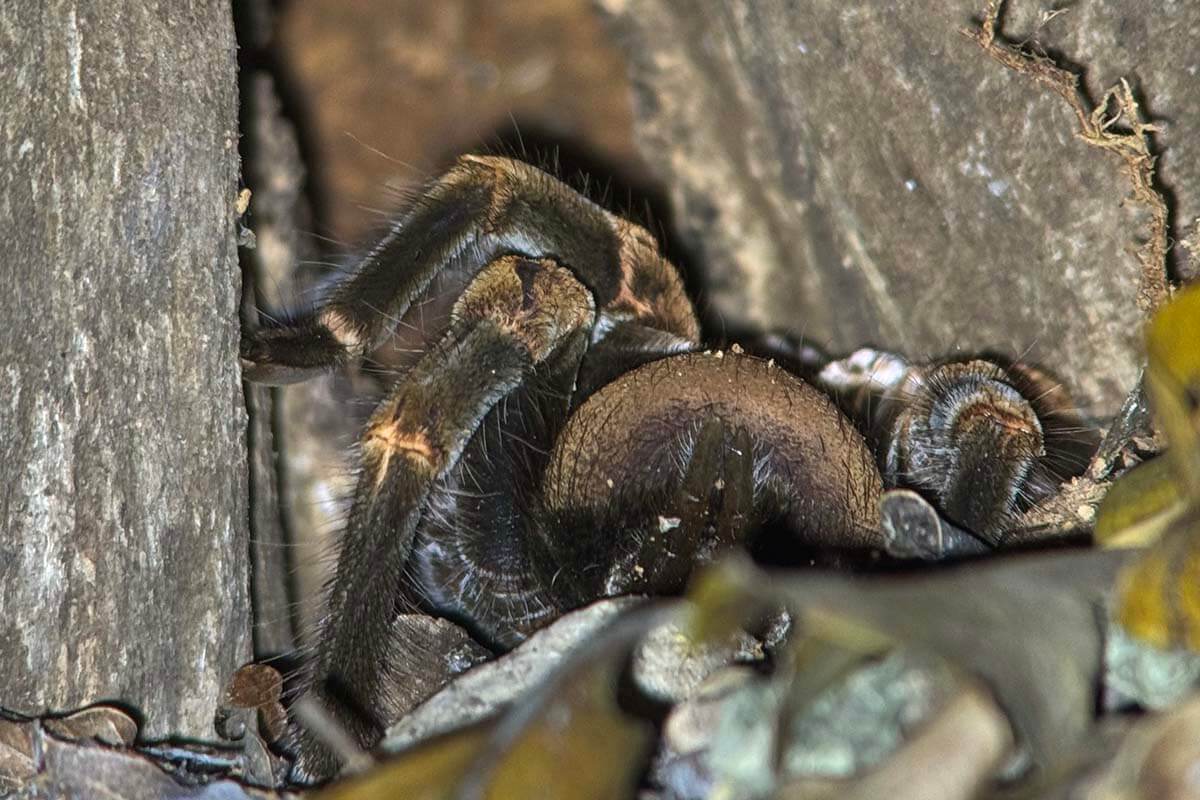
<point>563,436</point>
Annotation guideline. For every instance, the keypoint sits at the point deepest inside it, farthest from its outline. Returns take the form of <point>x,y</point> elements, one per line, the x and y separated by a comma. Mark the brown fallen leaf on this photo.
<point>258,687</point>
<point>17,761</point>
<point>106,724</point>
<point>253,686</point>
<point>85,769</point>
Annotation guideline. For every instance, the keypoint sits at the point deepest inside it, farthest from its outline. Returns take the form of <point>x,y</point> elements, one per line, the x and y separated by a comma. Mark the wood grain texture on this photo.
<point>124,545</point>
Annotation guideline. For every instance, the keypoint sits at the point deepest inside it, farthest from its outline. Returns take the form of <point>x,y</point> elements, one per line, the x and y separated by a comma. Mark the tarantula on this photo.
<point>562,436</point>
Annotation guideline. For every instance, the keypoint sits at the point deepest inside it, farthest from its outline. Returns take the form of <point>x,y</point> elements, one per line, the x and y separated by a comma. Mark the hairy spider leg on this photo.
<point>482,208</point>
<point>1071,440</point>
<point>479,558</point>
<point>472,559</point>
<point>619,346</point>
<point>510,319</point>
<point>984,439</point>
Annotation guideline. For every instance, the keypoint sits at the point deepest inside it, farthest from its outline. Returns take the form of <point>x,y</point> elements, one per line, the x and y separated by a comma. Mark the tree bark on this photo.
<point>124,554</point>
<point>862,173</point>
<point>273,171</point>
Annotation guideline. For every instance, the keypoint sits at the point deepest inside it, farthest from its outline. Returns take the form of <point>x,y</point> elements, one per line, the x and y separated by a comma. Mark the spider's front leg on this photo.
<point>982,438</point>
<point>482,208</point>
<point>512,318</point>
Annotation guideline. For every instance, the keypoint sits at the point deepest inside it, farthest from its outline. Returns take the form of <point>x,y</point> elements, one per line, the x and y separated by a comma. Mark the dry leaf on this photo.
<point>105,724</point>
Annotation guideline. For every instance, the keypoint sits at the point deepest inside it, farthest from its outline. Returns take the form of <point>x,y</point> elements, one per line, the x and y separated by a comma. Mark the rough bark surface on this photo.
<point>272,166</point>
<point>301,481</point>
<point>859,172</point>
<point>123,558</point>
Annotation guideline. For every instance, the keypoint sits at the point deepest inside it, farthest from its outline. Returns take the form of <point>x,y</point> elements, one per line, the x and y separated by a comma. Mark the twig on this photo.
<point>1096,127</point>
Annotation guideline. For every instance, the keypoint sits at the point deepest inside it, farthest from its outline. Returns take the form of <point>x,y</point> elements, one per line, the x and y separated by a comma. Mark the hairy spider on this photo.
<point>562,437</point>
<point>984,438</point>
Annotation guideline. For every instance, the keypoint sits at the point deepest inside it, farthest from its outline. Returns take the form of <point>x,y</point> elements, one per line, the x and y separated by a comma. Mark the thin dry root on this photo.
<point>1096,127</point>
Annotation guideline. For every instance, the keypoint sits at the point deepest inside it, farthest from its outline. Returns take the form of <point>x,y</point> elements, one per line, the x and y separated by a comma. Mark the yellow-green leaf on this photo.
<point>1159,594</point>
<point>1140,506</point>
<point>1173,380</point>
<point>568,739</point>
<point>428,771</point>
<point>581,746</point>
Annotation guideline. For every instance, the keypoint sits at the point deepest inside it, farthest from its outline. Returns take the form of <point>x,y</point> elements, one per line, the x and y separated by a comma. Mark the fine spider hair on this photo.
<point>983,438</point>
<point>551,434</point>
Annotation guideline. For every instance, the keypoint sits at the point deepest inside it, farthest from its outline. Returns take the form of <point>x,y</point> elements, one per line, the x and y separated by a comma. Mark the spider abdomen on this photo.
<point>693,454</point>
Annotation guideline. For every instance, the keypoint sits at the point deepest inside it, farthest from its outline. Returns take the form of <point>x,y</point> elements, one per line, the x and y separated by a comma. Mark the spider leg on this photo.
<point>984,439</point>
<point>619,346</point>
<point>473,558</point>
<point>1070,437</point>
<point>482,208</point>
<point>511,318</point>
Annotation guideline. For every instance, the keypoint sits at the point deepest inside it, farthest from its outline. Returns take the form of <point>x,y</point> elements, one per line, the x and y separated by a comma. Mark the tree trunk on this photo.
<point>124,555</point>
<point>860,172</point>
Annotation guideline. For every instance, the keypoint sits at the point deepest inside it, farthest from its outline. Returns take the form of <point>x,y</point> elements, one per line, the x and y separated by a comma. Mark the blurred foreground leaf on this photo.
<point>1159,600</point>
<point>1173,379</point>
<point>568,739</point>
<point>428,771</point>
<point>1140,507</point>
<point>1029,626</point>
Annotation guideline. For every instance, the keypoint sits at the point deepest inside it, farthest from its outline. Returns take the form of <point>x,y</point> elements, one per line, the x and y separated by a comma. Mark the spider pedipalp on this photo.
<point>984,438</point>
